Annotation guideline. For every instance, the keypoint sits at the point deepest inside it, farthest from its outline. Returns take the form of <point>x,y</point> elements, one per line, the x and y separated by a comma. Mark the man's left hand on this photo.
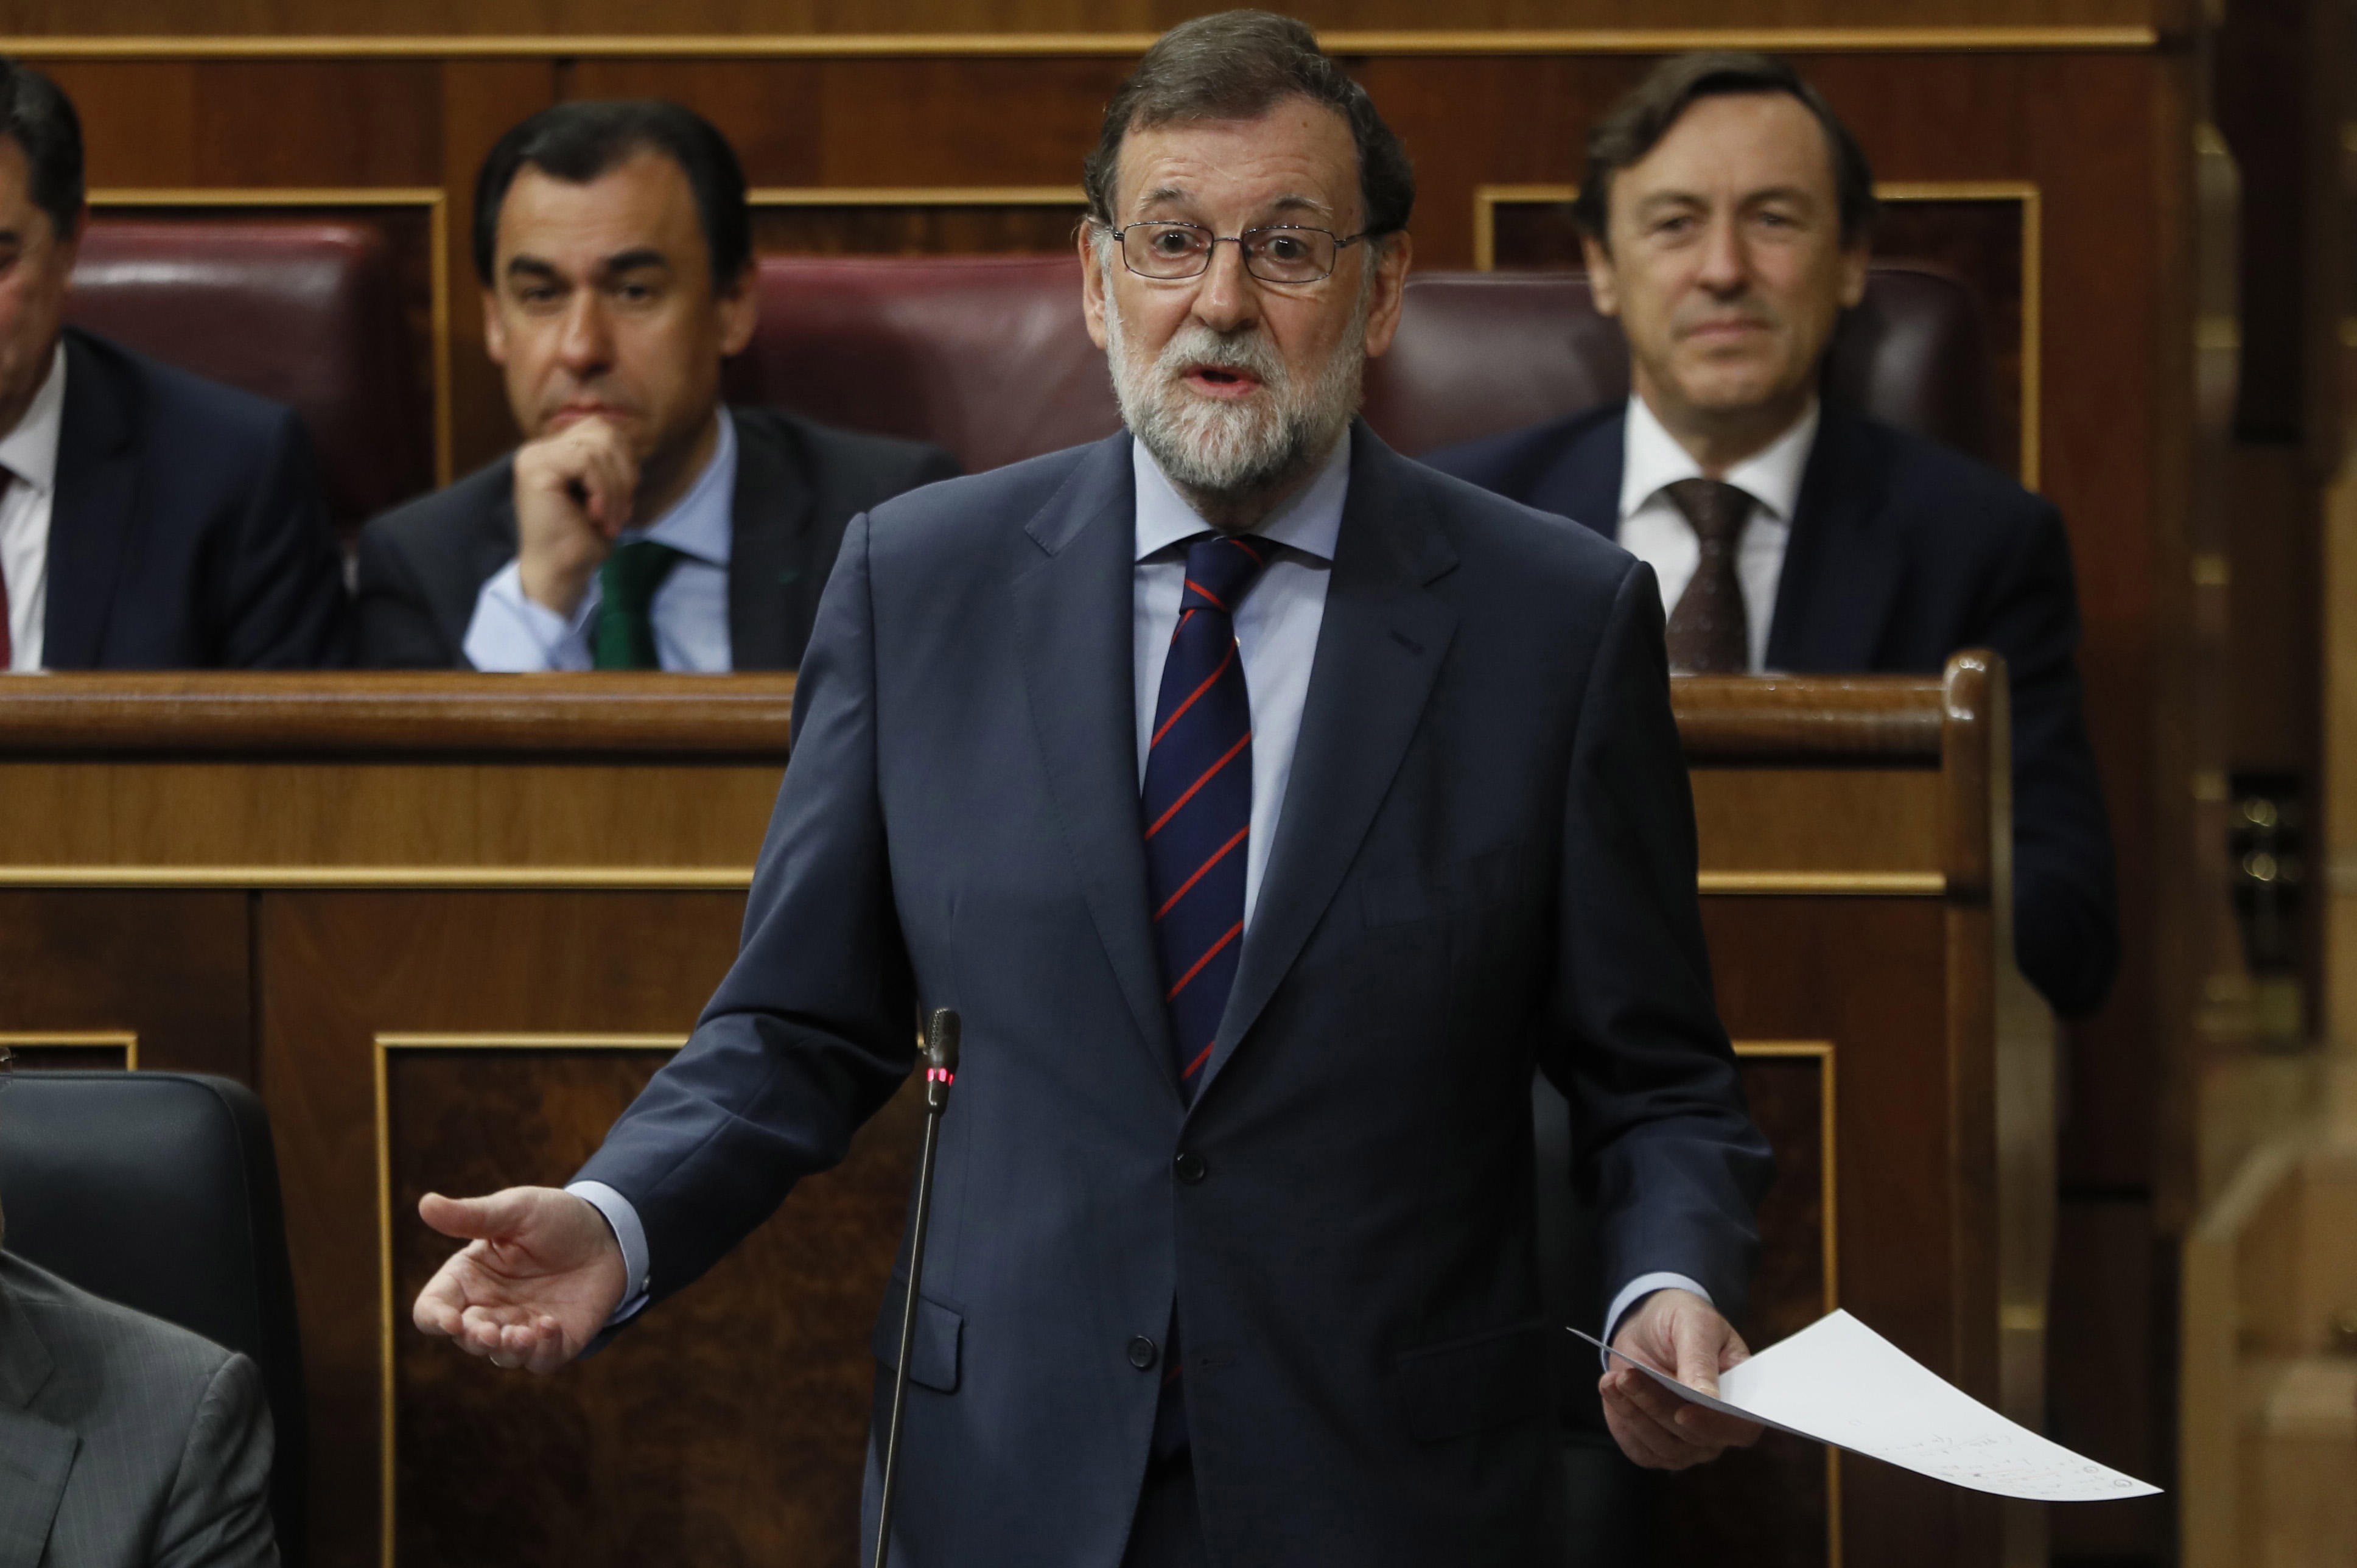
<point>1682,1334</point>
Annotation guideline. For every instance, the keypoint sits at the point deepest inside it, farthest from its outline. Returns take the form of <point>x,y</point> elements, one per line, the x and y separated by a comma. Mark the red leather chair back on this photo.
<point>306,312</point>
<point>988,356</point>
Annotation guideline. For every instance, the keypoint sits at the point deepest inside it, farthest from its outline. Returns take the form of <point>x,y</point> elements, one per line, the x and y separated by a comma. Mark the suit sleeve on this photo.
<point>284,606</point>
<point>395,622</point>
<point>1658,1112</point>
<point>814,1026</point>
<point>2065,896</point>
<point>218,1515</point>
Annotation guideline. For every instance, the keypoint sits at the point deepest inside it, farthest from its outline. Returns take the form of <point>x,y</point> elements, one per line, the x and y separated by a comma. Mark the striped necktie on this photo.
<point>1198,798</point>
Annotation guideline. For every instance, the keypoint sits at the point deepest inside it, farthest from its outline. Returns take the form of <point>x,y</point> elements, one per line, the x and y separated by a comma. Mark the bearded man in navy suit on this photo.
<point>1269,806</point>
<point>1726,214</point>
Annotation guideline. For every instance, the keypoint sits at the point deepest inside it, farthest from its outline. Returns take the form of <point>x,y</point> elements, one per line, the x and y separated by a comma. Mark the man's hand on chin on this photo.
<point>1679,1333</point>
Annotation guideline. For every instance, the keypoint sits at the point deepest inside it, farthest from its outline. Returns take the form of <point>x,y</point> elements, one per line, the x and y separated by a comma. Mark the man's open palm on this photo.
<point>539,1276</point>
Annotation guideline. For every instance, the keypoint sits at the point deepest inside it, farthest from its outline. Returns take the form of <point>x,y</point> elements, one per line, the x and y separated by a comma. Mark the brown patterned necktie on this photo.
<point>1710,632</point>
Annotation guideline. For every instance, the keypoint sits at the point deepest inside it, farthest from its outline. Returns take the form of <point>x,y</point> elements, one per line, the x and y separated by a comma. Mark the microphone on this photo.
<point>941,1071</point>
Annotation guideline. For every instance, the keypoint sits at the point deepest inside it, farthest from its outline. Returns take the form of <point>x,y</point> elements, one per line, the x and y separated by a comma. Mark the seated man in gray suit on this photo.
<point>641,525</point>
<point>124,1442</point>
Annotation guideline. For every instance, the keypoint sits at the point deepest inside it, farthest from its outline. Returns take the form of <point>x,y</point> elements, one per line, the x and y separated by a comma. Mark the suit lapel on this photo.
<point>94,512</point>
<point>768,513</point>
<point>1379,649</point>
<point>35,1454</point>
<point>1843,562</point>
<point>1074,618</point>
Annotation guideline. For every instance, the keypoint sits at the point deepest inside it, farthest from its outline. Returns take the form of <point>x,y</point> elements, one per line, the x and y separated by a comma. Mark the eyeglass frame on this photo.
<point>1218,240</point>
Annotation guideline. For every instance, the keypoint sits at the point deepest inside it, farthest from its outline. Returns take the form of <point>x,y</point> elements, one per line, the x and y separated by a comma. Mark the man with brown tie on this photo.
<point>1725,216</point>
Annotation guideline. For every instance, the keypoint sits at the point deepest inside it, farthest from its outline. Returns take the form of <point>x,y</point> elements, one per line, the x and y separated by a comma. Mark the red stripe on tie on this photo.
<point>1197,1065</point>
<point>1198,691</point>
<point>1209,594</point>
<point>1233,931</point>
<point>1162,819</point>
<point>1246,549</point>
<point>1222,853</point>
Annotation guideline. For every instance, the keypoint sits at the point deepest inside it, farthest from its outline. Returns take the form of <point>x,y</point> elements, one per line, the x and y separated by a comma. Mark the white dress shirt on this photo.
<point>1276,625</point>
<point>1655,532</point>
<point>509,631</point>
<point>29,454</point>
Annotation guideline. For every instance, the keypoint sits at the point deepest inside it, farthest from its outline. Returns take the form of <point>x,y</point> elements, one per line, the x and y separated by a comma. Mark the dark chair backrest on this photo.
<point>988,355</point>
<point>160,1190</point>
<point>306,312</point>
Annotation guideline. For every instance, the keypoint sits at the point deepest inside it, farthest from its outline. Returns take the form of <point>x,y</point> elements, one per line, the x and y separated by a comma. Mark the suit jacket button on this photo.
<point>1190,1168</point>
<point>1142,1353</point>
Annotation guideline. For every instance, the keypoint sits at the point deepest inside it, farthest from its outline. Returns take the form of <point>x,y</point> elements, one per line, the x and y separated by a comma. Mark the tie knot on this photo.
<point>1716,508</point>
<point>1220,568</point>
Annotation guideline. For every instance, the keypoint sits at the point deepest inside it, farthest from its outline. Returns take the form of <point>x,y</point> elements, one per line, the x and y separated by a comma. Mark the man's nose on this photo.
<point>1226,299</point>
<point>586,342</point>
<point>1724,269</point>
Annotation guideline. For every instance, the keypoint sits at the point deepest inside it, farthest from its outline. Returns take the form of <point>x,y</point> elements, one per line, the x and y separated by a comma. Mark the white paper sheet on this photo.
<point>1839,1381</point>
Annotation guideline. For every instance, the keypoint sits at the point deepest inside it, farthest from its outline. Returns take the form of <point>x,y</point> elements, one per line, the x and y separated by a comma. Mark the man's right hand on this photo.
<point>573,496</point>
<point>539,1276</point>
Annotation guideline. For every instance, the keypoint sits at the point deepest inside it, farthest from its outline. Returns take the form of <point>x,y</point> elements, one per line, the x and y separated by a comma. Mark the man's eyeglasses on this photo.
<point>1276,253</point>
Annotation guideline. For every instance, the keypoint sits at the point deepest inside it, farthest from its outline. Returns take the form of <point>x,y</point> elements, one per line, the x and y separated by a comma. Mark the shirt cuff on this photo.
<point>1633,1293</point>
<point>632,1236</point>
<point>511,634</point>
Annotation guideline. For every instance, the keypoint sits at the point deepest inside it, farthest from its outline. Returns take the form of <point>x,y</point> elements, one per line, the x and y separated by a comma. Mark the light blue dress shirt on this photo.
<point>509,632</point>
<point>1276,625</point>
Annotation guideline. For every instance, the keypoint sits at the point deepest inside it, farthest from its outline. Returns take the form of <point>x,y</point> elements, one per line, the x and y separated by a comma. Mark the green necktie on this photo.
<point>626,598</point>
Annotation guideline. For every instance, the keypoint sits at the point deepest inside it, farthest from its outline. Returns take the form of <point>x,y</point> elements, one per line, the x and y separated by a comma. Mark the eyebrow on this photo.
<point>633,261</point>
<point>1287,203</point>
<point>1695,198</point>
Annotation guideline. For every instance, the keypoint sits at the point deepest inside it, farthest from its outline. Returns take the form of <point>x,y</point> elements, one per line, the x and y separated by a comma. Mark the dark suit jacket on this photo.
<point>423,565</point>
<point>1903,552</point>
<point>186,532</point>
<point>1486,861</point>
<point>124,1442</point>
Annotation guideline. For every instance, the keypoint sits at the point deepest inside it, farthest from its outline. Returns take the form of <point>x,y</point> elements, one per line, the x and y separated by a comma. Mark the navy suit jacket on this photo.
<point>186,531</point>
<point>1486,861</point>
<point>1903,552</point>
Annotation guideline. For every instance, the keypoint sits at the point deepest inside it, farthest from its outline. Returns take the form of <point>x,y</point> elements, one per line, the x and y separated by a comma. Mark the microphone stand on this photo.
<point>941,1071</point>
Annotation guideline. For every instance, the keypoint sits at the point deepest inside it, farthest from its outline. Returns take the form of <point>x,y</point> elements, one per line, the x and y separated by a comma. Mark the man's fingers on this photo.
<point>1698,1353</point>
<point>1717,1429</point>
<point>491,1218</point>
<point>1646,1441</point>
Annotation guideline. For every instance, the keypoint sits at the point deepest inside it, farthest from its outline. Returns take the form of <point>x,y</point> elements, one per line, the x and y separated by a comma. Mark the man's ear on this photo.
<point>1603,284</point>
<point>1854,261</point>
<point>1391,261</point>
<point>495,330</point>
<point>739,307</point>
<point>1092,293</point>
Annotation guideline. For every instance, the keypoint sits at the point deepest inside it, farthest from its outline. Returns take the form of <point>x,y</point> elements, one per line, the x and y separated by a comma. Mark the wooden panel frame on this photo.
<point>1488,198</point>
<point>436,204</point>
<point>382,1047</point>
<point>2033,39</point>
<point>34,1039</point>
<point>1826,1058</point>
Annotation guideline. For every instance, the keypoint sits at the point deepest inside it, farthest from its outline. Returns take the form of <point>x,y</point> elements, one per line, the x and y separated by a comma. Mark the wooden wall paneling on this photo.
<point>727,1426</point>
<point>345,968</point>
<point>897,222</point>
<point>80,1050</point>
<point>479,102</point>
<point>163,973</point>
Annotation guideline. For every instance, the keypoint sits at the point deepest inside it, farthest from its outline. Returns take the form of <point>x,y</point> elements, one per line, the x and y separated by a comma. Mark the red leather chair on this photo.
<point>988,356</point>
<point>306,312</point>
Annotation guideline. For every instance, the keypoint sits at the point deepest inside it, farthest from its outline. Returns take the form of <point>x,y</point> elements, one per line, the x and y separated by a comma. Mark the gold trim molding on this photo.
<point>35,1039</point>
<point>855,46</point>
<point>1824,884</point>
<point>438,221</point>
<point>381,1047</point>
<point>1488,198</point>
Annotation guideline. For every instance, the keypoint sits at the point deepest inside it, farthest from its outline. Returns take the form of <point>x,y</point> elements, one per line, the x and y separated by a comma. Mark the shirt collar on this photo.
<point>700,523</point>
<point>1310,522</point>
<point>30,451</point>
<point>1652,458</point>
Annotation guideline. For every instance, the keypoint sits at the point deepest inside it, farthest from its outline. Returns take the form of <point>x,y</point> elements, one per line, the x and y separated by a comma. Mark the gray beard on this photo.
<point>1224,451</point>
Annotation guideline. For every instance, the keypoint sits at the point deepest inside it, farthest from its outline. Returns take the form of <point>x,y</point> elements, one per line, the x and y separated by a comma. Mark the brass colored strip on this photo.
<point>852,46</point>
<point>34,1039</point>
<point>1854,884</point>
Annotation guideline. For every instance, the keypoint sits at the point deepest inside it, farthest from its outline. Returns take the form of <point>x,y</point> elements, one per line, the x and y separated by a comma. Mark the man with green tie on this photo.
<point>642,524</point>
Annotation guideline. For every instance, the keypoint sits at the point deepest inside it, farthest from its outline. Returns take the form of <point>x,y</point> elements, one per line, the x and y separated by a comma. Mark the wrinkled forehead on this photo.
<point>1295,163</point>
